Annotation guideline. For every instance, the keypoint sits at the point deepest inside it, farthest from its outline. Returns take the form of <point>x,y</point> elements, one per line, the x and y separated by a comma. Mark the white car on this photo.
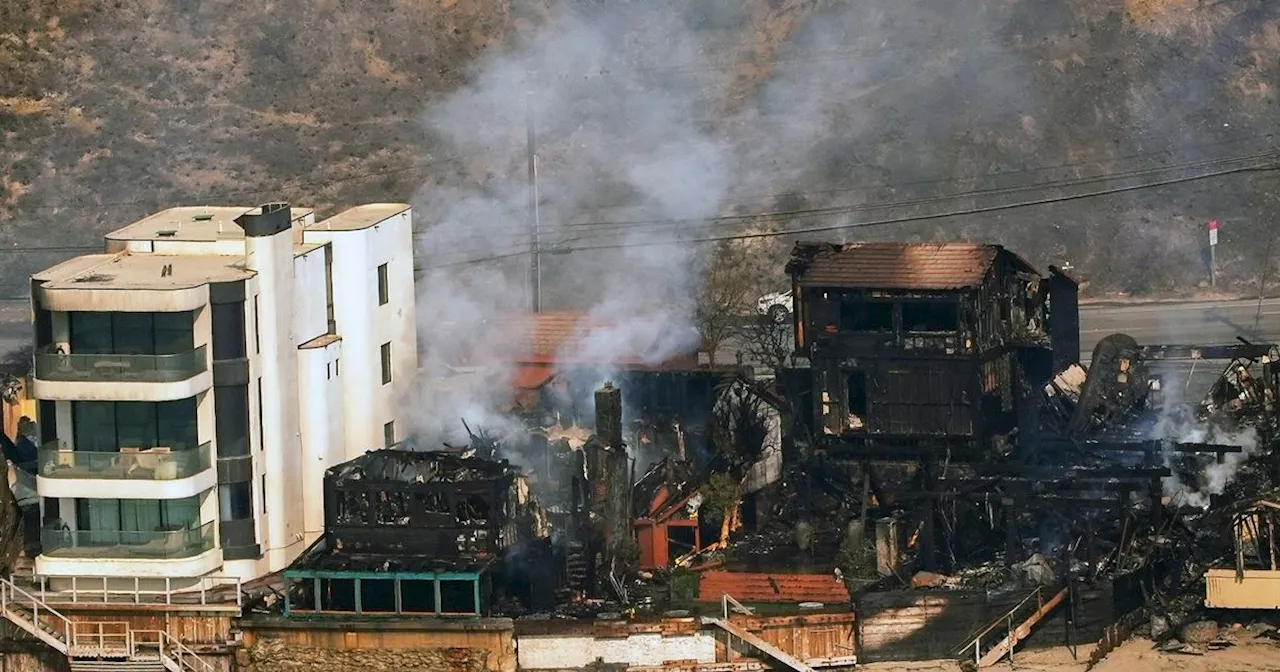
<point>777,305</point>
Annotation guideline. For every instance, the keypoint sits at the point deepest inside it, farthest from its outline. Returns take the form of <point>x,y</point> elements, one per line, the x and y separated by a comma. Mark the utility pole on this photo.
<point>535,252</point>
<point>1213,253</point>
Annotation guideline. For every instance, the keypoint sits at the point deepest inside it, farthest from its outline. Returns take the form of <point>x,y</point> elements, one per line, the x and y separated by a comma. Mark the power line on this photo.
<point>614,228</point>
<point>903,220</point>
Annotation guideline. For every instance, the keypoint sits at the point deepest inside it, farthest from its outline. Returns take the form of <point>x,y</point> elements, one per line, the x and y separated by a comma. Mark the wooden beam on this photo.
<point>1022,631</point>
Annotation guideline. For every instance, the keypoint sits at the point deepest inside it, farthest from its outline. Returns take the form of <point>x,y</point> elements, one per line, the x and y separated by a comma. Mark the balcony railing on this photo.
<point>120,544</point>
<point>152,464</point>
<point>120,368</point>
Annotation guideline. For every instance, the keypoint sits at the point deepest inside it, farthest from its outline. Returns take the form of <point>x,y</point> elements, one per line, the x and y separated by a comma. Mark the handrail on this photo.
<point>101,636</point>
<point>9,590</point>
<point>171,648</point>
<point>975,641</point>
<point>726,600</point>
<point>99,589</point>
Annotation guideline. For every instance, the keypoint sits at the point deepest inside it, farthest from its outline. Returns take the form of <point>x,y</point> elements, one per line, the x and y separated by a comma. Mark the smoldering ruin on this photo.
<point>936,446</point>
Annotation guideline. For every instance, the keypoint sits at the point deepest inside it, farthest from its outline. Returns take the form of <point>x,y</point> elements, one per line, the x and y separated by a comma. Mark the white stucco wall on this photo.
<point>365,326</point>
<point>310,299</point>
<point>552,652</point>
<point>320,395</point>
<point>281,540</point>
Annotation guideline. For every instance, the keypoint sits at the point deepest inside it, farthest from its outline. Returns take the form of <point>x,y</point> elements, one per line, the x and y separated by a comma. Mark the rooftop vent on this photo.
<point>94,277</point>
<point>167,233</point>
<point>204,217</point>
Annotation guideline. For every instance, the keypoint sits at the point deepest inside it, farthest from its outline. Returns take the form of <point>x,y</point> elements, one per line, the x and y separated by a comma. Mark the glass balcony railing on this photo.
<point>151,464</point>
<point>122,544</point>
<point>120,368</point>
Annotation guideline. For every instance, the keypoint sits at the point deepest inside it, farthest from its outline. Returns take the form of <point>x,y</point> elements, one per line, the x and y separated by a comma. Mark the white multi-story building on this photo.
<point>195,381</point>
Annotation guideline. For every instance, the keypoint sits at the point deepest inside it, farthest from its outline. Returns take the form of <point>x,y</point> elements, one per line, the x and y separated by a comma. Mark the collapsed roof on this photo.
<point>407,466</point>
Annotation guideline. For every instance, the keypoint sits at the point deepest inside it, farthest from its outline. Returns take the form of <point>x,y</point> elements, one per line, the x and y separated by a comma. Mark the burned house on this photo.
<point>410,532</point>
<point>922,345</point>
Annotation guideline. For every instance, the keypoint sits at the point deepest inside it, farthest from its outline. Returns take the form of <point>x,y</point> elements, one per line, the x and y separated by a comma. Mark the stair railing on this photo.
<point>11,595</point>
<point>1005,619</point>
<point>172,650</point>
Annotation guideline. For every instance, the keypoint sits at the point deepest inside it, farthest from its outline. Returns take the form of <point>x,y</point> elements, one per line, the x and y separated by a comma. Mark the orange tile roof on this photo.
<point>753,587</point>
<point>936,266</point>
<point>561,337</point>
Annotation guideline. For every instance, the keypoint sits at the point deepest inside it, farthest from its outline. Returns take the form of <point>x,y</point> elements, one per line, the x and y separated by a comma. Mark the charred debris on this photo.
<point>937,431</point>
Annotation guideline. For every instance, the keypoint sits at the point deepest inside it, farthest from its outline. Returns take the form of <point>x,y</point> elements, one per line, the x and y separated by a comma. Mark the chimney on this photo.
<point>609,415</point>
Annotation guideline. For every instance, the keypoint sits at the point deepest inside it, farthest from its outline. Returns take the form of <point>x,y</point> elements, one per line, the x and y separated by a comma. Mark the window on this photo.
<point>856,389</point>
<point>106,426</point>
<point>930,316</point>
<point>264,494</point>
<point>235,501</point>
<point>866,316</point>
<point>389,434</point>
<point>353,507</point>
<point>335,367</point>
<point>231,419</point>
<point>228,331</point>
<point>257,327</point>
<point>116,519</point>
<point>132,333</point>
<point>384,290</point>
<point>262,445</point>
<point>386,363</point>
<point>393,508</point>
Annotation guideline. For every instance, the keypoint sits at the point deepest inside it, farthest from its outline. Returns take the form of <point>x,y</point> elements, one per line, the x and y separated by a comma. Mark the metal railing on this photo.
<point>158,545</point>
<point>184,591</point>
<point>52,365</point>
<point>14,600</point>
<point>148,464</point>
<point>168,647</point>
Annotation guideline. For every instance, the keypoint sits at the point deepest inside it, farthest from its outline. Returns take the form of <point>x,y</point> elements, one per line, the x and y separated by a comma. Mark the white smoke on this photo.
<point>1177,424</point>
<point>639,144</point>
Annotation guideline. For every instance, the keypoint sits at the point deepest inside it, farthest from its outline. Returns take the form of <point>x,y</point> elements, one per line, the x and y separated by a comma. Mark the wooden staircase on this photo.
<point>998,639</point>
<point>763,646</point>
<point>97,646</point>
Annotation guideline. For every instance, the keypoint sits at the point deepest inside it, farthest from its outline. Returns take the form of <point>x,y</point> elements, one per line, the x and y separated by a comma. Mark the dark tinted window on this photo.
<point>228,331</point>
<point>231,419</point>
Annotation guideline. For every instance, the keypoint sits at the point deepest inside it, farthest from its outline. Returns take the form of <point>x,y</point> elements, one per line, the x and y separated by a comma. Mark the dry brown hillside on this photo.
<point>112,108</point>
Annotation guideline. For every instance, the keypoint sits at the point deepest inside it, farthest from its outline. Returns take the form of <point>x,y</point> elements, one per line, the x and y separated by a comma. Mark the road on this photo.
<point>1200,323</point>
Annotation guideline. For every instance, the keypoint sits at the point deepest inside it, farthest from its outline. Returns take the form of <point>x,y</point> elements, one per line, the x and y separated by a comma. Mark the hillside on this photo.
<point>656,110</point>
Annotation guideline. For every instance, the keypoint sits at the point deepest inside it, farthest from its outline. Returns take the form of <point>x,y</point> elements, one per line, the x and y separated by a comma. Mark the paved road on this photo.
<point>1201,323</point>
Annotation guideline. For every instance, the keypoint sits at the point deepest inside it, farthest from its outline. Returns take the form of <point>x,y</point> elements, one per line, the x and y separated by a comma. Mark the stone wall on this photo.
<point>274,655</point>
<point>274,644</point>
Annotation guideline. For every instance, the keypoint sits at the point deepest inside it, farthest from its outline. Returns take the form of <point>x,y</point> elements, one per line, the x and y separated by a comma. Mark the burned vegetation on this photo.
<point>935,443</point>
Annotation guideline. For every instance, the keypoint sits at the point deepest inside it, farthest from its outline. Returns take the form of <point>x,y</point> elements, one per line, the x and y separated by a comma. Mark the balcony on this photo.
<point>154,473</point>
<point>153,464</point>
<point>107,368</point>
<point>127,545</point>
<point>109,377</point>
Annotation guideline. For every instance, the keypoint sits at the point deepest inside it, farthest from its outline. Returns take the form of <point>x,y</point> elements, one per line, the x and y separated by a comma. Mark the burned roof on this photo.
<point>411,466</point>
<point>323,556</point>
<point>936,266</point>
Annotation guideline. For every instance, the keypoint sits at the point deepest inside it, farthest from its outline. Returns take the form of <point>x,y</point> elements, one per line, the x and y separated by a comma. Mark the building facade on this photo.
<point>915,347</point>
<point>195,381</point>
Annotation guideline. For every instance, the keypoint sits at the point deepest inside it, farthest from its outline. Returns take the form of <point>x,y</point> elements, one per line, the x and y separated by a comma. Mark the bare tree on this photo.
<point>766,341</point>
<point>728,288</point>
